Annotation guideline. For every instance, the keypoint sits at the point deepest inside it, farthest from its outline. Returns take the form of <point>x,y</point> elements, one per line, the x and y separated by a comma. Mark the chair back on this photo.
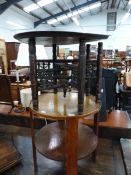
<point>5,90</point>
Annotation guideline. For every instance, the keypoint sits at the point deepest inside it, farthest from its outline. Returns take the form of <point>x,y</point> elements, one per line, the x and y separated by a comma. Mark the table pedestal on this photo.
<point>63,142</point>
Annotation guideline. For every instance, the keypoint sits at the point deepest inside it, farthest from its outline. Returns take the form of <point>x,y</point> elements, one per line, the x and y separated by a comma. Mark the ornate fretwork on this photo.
<point>47,71</point>
<point>65,74</point>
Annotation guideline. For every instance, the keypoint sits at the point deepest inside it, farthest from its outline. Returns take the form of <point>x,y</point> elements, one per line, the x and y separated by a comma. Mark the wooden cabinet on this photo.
<point>3,59</point>
<point>12,51</point>
<point>2,70</point>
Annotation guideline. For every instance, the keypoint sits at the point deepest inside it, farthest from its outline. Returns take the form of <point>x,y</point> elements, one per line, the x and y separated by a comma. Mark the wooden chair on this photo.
<point>6,102</point>
<point>9,155</point>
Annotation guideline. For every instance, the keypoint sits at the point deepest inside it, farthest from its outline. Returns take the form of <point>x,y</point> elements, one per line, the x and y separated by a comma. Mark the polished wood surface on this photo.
<point>116,119</point>
<point>53,137</point>
<point>48,38</point>
<point>65,140</point>
<point>71,145</point>
<point>56,106</point>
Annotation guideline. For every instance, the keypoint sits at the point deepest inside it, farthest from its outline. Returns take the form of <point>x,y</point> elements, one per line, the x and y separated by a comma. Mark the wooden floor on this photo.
<point>108,162</point>
<point>126,153</point>
<point>109,159</point>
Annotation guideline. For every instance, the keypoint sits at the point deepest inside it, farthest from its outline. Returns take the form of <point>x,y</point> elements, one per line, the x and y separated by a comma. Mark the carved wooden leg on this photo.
<point>33,142</point>
<point>71,145</point>
<point>96,130</point>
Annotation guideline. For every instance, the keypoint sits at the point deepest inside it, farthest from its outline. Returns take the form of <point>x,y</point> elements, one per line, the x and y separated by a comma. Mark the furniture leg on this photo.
<point>71,145</point>
<point>33,143</point>
<point>96,130</point>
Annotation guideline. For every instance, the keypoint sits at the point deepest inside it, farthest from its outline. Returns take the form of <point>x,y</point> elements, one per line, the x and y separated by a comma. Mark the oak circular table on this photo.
<point>66,139</point>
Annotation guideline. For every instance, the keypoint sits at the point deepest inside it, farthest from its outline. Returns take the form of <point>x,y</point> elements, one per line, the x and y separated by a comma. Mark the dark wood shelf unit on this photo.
<point>12,51</point>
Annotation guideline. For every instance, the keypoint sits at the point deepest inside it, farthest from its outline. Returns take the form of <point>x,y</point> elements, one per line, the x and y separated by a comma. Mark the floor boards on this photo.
<point>108,162</point>
<point>126,150</point>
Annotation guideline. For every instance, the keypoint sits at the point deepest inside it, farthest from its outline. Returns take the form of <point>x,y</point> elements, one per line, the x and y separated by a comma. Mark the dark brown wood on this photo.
<point>33,73</point>
<point>96,130</point>
<point>87,59</point>
<point>2,71</point>
<point>54,60</point>
<point>33,142</point>
<point>6,102</point>
<point>51,140</point>
<point>11,51</point>
<point>96,119</point>
<point>9,156</point>
<point>58,37</point>
<point>99,72</point>
<point>81,75</point>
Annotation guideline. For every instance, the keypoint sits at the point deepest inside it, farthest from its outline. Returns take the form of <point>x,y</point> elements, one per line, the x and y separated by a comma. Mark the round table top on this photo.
<point>51,141</point>
<point>56,106</point>
<point>48,38</point>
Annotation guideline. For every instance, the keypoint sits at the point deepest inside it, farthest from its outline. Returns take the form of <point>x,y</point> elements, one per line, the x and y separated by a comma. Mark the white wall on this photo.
<point>118,39</point>
<point>91,24</point>
<point>7,31</point>
<point>6,34</point>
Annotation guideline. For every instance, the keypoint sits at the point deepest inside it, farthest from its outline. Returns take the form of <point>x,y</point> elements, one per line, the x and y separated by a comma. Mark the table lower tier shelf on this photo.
<point>9,156</point>
<point>51,141</point>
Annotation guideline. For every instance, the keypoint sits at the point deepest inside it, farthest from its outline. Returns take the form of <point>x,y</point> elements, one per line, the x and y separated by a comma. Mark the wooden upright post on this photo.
<point>99,72</point>
<point>54,67</point>
<point>33,72</point>
<point>81,75</point>
<point>87,84</point>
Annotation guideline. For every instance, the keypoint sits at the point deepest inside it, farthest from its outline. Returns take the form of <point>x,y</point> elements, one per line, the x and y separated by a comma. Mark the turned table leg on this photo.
<point>71,145</point>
